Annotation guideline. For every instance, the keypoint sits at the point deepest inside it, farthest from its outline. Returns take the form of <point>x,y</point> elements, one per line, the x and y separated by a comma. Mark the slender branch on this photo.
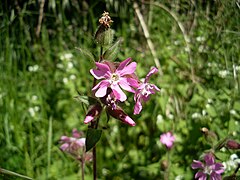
<point>40,18</point>
<point>184,33</point>
<point>82,166</point>
<point>147,36</point>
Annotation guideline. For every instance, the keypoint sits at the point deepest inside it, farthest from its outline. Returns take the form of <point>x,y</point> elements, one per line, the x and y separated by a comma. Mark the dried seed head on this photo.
<point>105,20</point>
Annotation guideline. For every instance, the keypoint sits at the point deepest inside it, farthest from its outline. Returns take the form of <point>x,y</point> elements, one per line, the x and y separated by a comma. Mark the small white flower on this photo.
<point>66,56</point>
<point>60,66</point>
<point>33,68</point>
<point>237,68</point>
<point>65,80</point>
<point>208,106</point>
<point>170,116</point>
<point>233,112</point>
<point>159,119</point>
<point>31,111</point>
<point>210,101</point>
<point>36,108</point>
<point>196,115</point>
<point>70,65</point>
<point>187,49</point>
<point>234,133</point>
<point>72,77</point>
<point>179,177</point>
<point>223,73</point>
<point>200,38</point>
<point>34,98</point>
<point>232,163</point>
<point>204,112</point>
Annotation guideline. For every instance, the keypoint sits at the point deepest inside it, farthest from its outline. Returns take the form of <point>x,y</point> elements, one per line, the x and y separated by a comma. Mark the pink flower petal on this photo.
<point>102,67</point>
<point>129,121</point>
<point>137,107</point>
<point>124,84</point>
<point>130,69</point>
<point>209,159</point>
<point>151,72</point>
<point>102,88</point>
<point>118,93</point>
<point>133,82</point>
<point>97,73</point>
<point>64,146</point>
<point>88,119</point>
<point>123,64</point>
<point>197,164</point>
<point>200,176</point>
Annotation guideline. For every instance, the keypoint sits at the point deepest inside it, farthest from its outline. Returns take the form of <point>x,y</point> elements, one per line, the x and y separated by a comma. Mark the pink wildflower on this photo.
<point>115,77</point>
<point>75,146</point>
<point>119,114</point>
<point>167,139</point>
<point>144,91</point>
<point>74,143</point>
<point>214,170</point>
<point>93,112</point>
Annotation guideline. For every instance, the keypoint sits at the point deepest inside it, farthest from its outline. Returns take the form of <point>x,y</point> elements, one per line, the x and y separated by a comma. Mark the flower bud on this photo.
<point>104,34</point>
<point>93,112</point>
<point>231,144</point>
<point>119,114</point>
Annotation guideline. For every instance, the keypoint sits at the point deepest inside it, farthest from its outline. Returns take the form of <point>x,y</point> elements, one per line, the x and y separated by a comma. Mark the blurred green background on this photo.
<point>41,72</point>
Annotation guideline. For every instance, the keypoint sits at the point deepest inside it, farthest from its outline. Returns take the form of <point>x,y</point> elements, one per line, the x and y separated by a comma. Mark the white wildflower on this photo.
<point>66,56</point>
<point>65,80</point>
<point>196,115</point>
<point>223,73</point>
<point>31,111</point>
<point>72,77</point>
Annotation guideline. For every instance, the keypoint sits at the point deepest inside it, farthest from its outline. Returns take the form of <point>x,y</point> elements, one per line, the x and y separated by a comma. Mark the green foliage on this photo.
<point>40,76</point>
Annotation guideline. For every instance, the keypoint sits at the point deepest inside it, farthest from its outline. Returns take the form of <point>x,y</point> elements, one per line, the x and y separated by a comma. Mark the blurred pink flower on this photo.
<point>75,146</point>
<point>74,143</point>
<point>115,76</point>
<point>144,91</point>
<point>167,139</point>
<point>214,170</point>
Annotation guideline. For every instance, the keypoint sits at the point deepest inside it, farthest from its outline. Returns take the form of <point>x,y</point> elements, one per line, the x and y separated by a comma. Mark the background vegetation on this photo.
<point>42,72</point>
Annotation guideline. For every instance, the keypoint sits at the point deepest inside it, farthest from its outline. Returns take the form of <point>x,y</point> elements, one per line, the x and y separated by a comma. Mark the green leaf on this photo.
<point>86,99</point>
<point>93,136</point>
<point>86,53</point>
<point>111,53</point>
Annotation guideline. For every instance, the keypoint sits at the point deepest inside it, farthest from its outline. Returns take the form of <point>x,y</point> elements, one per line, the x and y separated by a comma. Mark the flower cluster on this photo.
<point>75,146</point>
<point>167,139</point>
<point>209,168</point>
<point>114,78</point>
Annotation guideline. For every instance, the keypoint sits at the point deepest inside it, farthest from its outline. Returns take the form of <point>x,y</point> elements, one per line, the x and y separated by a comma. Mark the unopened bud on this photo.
<point>231,144</point>
<point>119,114</point>
<point>104,36</point>
<point>93,112</point>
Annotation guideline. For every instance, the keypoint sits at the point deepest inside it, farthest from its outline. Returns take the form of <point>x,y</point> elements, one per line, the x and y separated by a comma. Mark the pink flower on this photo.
<point>167,139</point>
<point>119,114</point>
<point>93,112</point>
<point>214,170</point>
<point>115,77</point>
<point>72,144</point>
<point>75,146</point>
<point>144,91</point>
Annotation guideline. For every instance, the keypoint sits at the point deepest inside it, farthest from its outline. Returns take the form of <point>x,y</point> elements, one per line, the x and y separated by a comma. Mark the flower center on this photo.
<point>207,170</point>
<point>146,90</point>
<point>114,77</point>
